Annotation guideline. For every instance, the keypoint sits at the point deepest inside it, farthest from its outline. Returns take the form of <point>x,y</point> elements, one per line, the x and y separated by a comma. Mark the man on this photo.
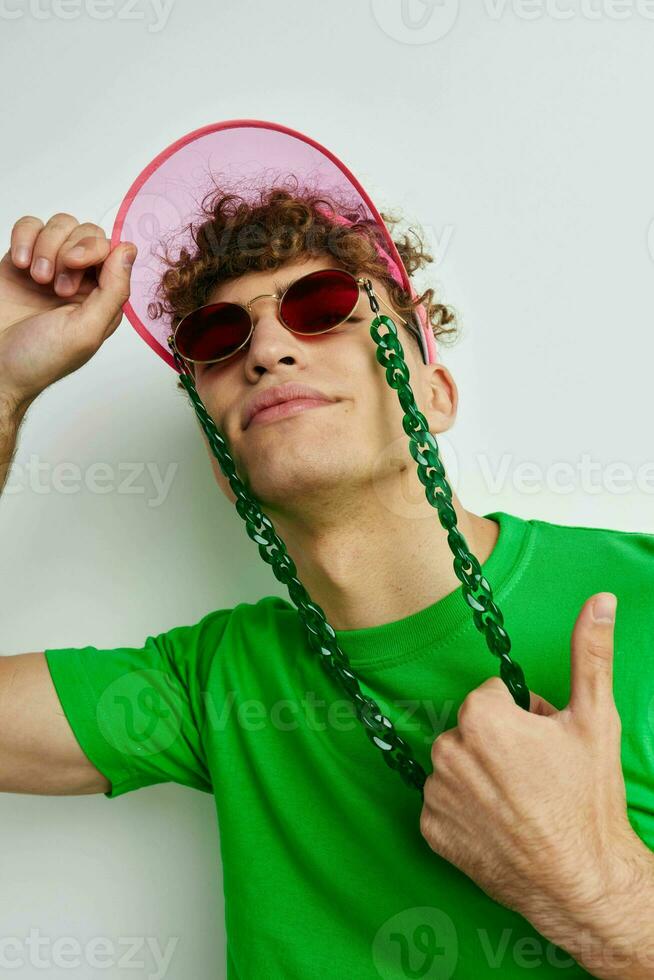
<point>527,856</point>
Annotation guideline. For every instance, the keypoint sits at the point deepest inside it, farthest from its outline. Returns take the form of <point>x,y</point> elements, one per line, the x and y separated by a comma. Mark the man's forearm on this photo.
<point>11,415</point>
<point>614,940</point>
<point>624,932</point>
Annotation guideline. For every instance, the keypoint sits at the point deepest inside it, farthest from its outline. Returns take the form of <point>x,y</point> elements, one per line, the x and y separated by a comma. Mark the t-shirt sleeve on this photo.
<point>137,711</point>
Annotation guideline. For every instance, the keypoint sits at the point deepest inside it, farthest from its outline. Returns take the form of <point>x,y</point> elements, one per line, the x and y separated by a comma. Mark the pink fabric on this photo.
<point>239,155</point>
<point>392,266</point>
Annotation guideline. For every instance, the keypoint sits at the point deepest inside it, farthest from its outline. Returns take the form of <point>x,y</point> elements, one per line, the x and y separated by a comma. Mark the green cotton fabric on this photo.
<point>325,871</point>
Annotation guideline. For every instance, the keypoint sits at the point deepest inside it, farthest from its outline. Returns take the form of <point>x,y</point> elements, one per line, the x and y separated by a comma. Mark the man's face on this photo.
<point>336,445</point>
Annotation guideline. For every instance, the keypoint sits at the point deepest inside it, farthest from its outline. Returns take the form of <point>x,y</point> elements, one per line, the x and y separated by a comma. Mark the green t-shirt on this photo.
<point>326,873</point>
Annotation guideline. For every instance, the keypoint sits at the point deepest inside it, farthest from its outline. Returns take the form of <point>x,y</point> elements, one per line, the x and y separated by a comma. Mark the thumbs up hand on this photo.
<point>532,807</point>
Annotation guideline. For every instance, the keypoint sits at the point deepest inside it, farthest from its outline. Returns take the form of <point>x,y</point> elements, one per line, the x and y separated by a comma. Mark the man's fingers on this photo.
<point>47,244</point>
<point>23,236</point>
<point>49,250</point>
<point>87,246</point>
<point>101,312</point>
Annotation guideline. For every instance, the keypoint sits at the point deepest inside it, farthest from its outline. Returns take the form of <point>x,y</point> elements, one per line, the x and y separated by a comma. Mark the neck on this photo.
<point>372,564</point>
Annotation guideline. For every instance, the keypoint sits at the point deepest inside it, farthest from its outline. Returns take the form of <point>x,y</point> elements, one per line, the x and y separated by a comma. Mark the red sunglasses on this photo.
<point>313,304</point>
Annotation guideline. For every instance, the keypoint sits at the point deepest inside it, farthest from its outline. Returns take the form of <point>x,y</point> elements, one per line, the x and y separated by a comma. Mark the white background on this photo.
<point>518,136</point>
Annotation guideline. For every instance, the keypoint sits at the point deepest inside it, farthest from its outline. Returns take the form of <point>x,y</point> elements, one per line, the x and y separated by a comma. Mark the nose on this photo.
<point>271,343</point>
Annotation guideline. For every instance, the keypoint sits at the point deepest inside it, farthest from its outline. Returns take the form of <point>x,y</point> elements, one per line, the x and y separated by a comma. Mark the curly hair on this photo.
<point>281,224</point>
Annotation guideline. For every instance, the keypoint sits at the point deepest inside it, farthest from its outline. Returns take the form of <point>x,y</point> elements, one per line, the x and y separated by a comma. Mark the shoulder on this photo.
<point>627,552</point>
<point>561,565</point>
<point>224,627</point>
<point>593,531</point>
<point>569,563</point>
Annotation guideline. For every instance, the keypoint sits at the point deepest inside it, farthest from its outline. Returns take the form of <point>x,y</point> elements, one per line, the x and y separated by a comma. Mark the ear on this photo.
<point>439,396</point>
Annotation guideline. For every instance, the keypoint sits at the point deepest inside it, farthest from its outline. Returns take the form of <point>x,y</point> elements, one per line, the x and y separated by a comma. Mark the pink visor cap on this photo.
<point>239,155</point>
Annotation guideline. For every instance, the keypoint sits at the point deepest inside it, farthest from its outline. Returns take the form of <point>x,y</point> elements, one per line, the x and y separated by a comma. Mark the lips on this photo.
<point>278,394</point>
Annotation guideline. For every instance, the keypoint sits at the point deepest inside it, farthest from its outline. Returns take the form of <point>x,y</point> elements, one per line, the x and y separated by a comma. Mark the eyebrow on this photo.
<point>280,288</point>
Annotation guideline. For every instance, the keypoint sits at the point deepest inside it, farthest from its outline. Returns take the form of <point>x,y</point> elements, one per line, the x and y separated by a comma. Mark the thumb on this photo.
<point>591,684</point>
<point>102,310</point>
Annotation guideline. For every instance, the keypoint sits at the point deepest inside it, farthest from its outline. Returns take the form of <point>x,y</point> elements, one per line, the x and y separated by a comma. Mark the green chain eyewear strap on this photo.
<point>476,589</point>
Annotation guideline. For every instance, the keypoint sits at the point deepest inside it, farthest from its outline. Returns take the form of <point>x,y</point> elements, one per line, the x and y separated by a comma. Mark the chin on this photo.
<point>288,458</point>
<point>287,476</point>
<point>303,470</point>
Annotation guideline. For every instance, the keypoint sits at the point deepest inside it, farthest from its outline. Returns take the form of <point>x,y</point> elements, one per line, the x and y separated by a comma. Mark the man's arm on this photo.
<point>38,751</point>
<point>614,940</point>
<point>571,863</point>
<point>11,415</point>
<point>47,331</point>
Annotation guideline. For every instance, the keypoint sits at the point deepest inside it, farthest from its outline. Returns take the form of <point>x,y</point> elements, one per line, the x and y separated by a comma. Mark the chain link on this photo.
<point>477,592</point>
<point>476,589</point>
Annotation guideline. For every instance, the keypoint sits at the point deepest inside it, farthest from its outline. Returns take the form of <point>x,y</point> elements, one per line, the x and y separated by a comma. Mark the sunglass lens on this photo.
<point>319,301</point>
<point>213,331</point>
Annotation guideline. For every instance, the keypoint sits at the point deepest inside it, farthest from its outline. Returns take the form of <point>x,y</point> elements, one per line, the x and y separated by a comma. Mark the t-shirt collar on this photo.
<point>438,621</point>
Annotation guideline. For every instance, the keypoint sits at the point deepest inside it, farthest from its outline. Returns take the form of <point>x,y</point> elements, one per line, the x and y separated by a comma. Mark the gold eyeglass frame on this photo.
<point>360,281</point>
